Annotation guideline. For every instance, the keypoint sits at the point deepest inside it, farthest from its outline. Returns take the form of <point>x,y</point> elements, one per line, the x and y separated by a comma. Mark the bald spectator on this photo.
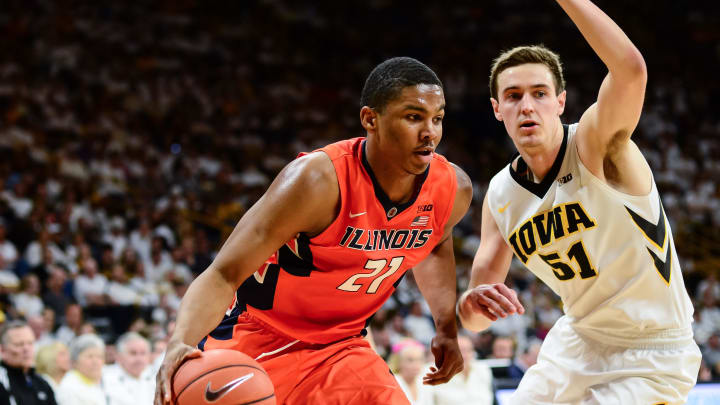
<point>19,384</point>
<point>130,381</point>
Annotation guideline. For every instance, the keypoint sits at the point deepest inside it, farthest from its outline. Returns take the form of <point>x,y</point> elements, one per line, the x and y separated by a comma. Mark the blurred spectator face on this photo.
<point>411,362</point>
<point>466,350</point>
<point>57,279</point>
<point>90,267</point>
<point>32,284</point>
<point>48,317</point>
<point>18,348</point>
<point>118,274</point>
<point>416,309</point>
<point>135,357</point>
<point>90,362</point>
<point>73,316</point>
<point>158,349</point>
<point>714,342</point>
<point>87,328</point>
<point>502,348</point>
<point>521,103</point>
<point>530,358</point>
<point>111,354</point>
<point>37,324</point>
<point>63,359</point>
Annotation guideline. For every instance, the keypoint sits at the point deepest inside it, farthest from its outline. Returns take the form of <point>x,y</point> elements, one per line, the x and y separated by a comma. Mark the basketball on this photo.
<point>222,377</point>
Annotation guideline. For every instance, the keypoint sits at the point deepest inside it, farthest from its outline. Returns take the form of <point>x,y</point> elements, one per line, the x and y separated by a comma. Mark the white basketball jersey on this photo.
<point>610,256</point>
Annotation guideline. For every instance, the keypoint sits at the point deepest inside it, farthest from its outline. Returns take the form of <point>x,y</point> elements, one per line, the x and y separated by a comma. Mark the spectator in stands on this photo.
<point>472,386</point>
<point>8,251</point>
<point>711,352</point>
<point>70,328</point>
<point>39,328</point>
<point>55,297</point>
<point>52,362</point>
<point>406,363</point>
<point>525,360</point>
<point>119,289</point>
<point>418,325</point>
<point>19,383</point>
<point>90,286</point>
<point>28,302</point>
<point>81,385</point>
<point>130,381</point>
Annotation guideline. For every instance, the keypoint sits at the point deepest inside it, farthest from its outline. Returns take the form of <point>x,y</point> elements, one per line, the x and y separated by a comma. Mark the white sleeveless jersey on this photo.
<point>610,256</point>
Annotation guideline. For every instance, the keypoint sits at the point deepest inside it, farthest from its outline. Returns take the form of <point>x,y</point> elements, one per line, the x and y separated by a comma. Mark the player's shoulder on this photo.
<point>314,169</point>
<point>464,183</point>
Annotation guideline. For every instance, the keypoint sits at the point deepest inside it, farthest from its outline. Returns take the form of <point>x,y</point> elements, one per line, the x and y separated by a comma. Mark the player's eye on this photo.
<point>438,119</point>
<point>413,117</point>
<point>540,94</point>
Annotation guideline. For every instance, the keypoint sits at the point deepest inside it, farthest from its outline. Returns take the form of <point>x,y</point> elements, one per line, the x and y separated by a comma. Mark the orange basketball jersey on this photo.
<point>325,288</point>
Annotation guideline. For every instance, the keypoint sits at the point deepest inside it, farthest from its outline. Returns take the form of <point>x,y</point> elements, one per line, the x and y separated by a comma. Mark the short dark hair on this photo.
<point>387,80</point>
<point>527,54</point>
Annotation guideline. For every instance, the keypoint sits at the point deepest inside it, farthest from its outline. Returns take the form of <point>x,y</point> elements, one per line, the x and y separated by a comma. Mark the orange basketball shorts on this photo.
<point>348,372</point>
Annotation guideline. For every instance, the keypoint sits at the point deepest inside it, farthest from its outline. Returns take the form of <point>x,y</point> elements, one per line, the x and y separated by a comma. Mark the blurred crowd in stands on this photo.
<point>133,136</point>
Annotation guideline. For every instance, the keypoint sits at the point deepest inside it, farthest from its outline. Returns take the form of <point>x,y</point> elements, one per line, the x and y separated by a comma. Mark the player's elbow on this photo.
<point>634,66</point>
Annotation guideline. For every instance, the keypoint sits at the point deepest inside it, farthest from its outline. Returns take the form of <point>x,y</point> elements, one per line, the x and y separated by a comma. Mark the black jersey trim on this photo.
<point>539,189</point>
<point>389,205</point>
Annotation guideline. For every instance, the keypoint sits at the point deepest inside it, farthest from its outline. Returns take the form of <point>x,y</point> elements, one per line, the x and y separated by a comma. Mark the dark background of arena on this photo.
<point>179,113</point>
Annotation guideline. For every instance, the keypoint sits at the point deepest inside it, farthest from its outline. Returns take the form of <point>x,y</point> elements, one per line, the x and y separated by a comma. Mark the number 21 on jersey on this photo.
<point>377,266</point>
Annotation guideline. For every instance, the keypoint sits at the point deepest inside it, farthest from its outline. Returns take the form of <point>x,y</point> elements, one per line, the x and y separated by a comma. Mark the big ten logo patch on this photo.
<point>425,208</point>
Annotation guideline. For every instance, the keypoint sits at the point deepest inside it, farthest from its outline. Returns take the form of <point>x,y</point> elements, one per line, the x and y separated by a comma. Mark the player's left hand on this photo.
<point>448,360</point>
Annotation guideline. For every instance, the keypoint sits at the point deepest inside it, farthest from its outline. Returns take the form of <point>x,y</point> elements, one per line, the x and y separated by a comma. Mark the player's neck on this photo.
<point>397,184</point>
<point>540,160</point>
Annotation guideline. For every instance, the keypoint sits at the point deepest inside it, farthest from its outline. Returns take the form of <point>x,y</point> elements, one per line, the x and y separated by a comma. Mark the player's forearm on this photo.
<point>605,37</point>
<point>437,281</point>
<point>203,307</point>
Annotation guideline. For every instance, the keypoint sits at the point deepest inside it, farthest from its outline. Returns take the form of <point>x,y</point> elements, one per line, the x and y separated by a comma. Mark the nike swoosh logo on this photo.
<point>502,209</point>
<point>213,395</point>
<point>357,215</point>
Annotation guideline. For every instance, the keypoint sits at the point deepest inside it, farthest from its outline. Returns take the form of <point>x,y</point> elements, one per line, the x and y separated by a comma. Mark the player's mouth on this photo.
<point>424,153</point>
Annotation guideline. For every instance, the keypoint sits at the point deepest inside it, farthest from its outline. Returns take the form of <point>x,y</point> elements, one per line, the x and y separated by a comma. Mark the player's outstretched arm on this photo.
<point>607,125</point>
<point>487,298</point>
<point>303,198</point>
<point>436,279</point>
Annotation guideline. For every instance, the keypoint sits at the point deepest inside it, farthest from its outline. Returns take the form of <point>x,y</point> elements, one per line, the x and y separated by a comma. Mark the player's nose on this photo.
<point>526,104</point>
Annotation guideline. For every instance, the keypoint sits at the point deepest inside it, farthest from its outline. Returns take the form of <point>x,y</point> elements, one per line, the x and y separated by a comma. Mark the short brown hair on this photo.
<point>527,54</point>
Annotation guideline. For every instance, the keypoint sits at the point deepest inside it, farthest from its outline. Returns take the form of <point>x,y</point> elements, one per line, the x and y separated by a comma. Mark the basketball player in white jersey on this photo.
<point>579,207</point>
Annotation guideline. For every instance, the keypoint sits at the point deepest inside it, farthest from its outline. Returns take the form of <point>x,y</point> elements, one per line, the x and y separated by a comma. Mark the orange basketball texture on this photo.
<point>222,377</point>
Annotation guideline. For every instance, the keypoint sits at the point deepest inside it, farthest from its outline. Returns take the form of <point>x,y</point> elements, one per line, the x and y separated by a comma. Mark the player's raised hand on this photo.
<point>448,360</point>
<point>491,300</point>
<point>175,354</point>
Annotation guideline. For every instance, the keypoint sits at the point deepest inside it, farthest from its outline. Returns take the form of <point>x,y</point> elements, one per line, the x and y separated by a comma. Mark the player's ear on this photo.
<point>496,109</point>
<point>368,119</point>
<point>561,102</point>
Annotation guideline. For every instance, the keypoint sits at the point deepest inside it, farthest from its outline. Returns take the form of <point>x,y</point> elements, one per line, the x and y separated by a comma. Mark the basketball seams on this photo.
<point>177,398</point>
<point>258,400</point>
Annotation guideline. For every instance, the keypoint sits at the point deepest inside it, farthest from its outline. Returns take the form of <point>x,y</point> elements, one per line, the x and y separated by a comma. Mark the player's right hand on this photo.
<point>176,353</point>
<point>491,300</point>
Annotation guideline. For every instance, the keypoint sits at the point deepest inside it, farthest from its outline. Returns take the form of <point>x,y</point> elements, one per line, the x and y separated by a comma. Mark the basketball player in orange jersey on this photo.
<point>325,247</point>
<point>579,207</point>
